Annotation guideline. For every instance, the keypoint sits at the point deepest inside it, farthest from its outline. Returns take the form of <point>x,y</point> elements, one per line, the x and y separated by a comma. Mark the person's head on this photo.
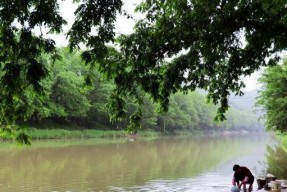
<point>236,167</point>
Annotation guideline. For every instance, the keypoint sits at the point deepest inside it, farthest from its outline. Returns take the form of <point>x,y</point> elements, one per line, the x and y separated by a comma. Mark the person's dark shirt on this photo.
<point>241,173</point>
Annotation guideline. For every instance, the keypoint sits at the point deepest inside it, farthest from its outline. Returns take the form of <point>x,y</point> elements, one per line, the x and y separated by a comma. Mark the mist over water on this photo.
<point>167,164</point>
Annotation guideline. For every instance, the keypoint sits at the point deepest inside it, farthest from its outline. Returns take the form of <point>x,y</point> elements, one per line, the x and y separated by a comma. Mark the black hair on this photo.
<point>236,167</point>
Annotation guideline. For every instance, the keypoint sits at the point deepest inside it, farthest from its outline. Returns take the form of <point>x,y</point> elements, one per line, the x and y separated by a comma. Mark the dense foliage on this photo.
<point>68,102</point>
<point>276,159</point>
<point>184,45</point>
<point>273,97</point>
<point>177,46</point>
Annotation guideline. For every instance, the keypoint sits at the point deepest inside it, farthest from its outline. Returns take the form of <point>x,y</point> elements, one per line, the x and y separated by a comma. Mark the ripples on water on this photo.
<point>210,182</point>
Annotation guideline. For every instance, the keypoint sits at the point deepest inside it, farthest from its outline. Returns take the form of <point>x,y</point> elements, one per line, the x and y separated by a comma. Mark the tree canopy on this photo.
<point>178,46</point>
<point>67,102</point>
<point>273,97</point>
<point>210,44</point>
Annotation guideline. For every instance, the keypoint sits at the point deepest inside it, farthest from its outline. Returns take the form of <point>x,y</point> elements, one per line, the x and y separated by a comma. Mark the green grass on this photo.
<point>282,137</point>
<point>70,134</point>
<point>46,138</point>
<point>188,133</point>
<point>85,133</point>
<point>76,133</point>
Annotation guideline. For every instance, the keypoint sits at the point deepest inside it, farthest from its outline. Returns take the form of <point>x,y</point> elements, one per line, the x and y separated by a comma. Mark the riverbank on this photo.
<point>62,133</point>
<point>36,134</point>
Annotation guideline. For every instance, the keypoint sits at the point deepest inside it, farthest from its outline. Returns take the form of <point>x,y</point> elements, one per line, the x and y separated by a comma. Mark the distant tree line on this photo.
<point>71,99</point>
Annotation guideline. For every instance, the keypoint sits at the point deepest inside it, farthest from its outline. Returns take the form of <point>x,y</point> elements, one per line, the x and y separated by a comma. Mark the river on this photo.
<point>196,164</point>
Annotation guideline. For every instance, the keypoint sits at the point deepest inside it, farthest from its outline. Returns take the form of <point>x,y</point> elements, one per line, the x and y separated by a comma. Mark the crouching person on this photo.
<point>242,176</point>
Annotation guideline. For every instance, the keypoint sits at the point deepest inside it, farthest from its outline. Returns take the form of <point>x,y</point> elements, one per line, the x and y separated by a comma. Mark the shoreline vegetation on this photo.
<point>68,103</point>
<point>61,133</point>
<point>64,134</point>
<point>37,134</point>
<point>282,137</point>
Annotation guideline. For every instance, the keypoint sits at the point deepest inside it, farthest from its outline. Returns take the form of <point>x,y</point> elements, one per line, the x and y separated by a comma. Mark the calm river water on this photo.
<point>202,164</point>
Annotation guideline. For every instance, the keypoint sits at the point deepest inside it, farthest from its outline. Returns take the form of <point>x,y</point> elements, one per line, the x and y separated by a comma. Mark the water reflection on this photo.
<point>170,164</point>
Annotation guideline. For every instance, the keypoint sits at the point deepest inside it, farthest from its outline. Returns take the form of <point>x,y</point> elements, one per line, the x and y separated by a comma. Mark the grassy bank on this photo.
<point>41,138</point>
<point>80,133</point>
<point>59,133</point>
<point>282,137</point>
<point>86,133</point>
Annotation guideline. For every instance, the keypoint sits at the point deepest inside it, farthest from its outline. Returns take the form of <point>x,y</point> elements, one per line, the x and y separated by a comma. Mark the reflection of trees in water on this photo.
<point>277,162</point>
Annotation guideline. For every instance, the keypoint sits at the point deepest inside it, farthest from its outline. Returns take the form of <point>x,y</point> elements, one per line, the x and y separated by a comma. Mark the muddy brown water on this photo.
<point>196,164</point>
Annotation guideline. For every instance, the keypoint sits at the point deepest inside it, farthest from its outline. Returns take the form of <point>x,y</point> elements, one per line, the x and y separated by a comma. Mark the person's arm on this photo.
<point>235,181</point>
<point>245,180</point>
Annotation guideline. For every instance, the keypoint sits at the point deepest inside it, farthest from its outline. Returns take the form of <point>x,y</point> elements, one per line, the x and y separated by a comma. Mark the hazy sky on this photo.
<point>123,26</point>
